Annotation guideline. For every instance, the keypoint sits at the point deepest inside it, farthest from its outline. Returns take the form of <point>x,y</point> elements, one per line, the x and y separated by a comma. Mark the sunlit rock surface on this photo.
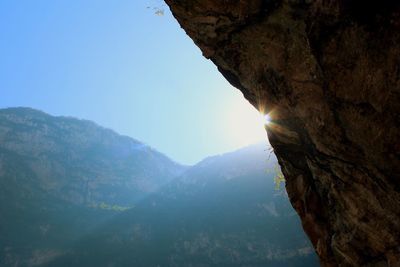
<point>328,72</point>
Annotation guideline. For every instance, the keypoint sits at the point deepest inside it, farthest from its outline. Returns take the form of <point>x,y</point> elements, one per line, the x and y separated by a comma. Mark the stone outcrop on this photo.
<point>328,73</point>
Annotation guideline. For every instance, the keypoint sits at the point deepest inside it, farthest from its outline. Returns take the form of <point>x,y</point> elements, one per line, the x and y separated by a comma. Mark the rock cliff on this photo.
<point>328,73</point>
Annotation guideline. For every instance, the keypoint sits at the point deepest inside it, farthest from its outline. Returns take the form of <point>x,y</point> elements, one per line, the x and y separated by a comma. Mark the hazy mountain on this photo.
<point>79,161</point>
<point>75,194</point>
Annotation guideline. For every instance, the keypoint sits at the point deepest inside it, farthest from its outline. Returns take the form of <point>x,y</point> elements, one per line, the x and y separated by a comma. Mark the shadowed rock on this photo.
<point>328,73</point>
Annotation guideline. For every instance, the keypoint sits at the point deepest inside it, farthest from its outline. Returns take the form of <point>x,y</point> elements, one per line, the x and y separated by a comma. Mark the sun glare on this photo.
<point>243,123</point>
<point>266,119</point>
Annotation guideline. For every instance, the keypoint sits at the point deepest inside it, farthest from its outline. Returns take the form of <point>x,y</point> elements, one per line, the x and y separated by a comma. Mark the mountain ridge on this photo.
<point>83,151</point>
<point>74,194</point>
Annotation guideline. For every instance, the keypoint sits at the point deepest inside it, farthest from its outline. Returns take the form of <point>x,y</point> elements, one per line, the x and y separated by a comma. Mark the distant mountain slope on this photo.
<point>222,212</point>
<point>75,194</point>
<point>79,161</point>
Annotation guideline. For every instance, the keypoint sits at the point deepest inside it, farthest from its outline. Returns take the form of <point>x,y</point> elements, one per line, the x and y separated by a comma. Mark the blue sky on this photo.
<point>122,66</point>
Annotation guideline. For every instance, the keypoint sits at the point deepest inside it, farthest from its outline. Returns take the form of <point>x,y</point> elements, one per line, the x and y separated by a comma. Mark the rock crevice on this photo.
<point>328,73</point>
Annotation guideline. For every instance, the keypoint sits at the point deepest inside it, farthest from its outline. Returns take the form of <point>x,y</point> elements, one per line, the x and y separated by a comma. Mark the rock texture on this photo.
<point>328,73</point>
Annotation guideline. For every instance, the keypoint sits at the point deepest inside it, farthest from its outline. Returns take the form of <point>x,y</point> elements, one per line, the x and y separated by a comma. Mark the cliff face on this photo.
<point>328,73</point>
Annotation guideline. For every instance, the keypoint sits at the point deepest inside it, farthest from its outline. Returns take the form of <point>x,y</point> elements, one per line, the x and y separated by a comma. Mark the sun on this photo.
<point>243,124</point>
<point>266,119</point>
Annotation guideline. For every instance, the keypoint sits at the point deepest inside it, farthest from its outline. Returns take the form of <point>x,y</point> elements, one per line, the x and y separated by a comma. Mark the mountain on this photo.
<point>223,211</point>
<point>60,177</point>
<point>75,194</point>
<point>79,161</point>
